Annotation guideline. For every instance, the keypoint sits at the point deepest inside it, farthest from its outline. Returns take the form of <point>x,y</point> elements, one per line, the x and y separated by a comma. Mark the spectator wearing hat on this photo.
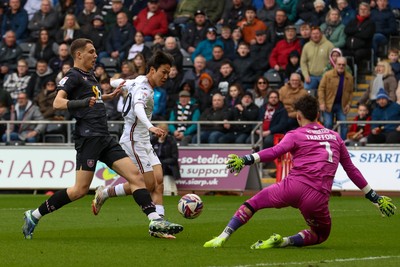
<point>385,110</point>
<point>267,12</point>
<point>317,14</point>
<point>86,16</point>
<point>233,13</point>
<point>306,10</point>
<point>205,47</point>
<point>97,33</point>
<point>204,89</point>
<point>15,19</point>
<point>276,28</point>
<point>184,111</point>
<point>195,32</point>
<point>293,65</point>
<point>383,78</point>
<point>280,53</point>
<point>244,111</point>
<point>213,9</point>
<point>261,50</point>
<point>151,20</point>
<point>250,24</point>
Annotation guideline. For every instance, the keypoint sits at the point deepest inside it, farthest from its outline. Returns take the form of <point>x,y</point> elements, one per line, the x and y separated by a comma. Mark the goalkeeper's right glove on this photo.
<point>384,203</point>
<point>236,163</point>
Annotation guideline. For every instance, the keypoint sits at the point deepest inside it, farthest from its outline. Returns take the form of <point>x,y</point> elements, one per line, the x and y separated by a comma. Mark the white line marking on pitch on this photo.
<point>321,261</point>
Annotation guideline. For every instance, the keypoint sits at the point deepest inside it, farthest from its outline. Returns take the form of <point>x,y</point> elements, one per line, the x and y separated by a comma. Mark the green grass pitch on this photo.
<point>118,236</point>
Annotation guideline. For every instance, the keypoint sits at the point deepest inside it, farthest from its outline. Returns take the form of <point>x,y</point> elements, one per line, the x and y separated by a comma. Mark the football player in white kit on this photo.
<point>135,140</point>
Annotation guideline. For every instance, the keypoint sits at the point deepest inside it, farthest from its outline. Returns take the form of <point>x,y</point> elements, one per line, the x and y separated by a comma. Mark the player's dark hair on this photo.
<point>308,106</point>
<point>159,58</point>
<point>79,44</point>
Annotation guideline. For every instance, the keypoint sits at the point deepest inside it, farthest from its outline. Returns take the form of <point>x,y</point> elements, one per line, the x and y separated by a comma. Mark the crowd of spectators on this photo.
<point>224,53</point>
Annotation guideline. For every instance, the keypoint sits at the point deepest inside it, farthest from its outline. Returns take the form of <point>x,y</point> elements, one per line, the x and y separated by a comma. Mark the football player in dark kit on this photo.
<point>79,92</point>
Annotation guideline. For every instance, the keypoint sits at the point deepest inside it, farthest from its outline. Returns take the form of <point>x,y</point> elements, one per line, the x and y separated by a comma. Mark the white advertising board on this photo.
<point>45,167</point>
<point>381,168</point>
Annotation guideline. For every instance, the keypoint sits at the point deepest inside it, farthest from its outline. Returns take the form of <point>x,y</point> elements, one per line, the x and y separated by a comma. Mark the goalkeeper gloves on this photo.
<point>384,203</point>
<point>235,163</point>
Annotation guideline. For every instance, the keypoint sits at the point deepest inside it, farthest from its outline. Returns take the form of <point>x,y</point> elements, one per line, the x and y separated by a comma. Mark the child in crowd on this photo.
<point>229,44</point>
<point>226,77</point>
<point>393,56</point>
<point>293,64</point>
<point>335,53</point>
<point>358,132</point>
<point>305,33</point>
<point>234,96</point>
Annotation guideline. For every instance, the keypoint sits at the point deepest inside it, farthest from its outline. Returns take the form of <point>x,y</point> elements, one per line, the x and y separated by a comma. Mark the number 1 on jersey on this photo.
<point>328,149</point>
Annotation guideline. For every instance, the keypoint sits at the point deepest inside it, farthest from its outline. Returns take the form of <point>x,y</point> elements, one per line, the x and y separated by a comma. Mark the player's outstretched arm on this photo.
<point>384,203</point>
<point>235,163</point>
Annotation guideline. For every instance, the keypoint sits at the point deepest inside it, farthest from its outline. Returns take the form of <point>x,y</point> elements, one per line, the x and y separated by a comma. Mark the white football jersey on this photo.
<point>139,91</point>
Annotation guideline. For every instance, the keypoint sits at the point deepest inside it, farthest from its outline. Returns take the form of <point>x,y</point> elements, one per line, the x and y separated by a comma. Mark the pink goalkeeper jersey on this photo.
<point>316,152</point>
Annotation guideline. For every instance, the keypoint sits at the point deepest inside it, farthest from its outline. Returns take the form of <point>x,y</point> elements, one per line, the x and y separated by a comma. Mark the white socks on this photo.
<point>160,210</point>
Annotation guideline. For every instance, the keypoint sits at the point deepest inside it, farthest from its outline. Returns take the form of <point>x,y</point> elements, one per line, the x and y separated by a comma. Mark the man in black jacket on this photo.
<point>245,111</point>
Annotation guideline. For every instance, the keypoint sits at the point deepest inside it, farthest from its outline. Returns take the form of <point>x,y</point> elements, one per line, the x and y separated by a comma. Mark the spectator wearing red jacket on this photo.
<point>358,132</point>
<point>280,53</point>
<point>151,20</point>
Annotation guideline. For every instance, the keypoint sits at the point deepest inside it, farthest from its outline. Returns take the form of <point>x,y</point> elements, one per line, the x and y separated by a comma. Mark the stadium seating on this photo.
<point>110,65</point>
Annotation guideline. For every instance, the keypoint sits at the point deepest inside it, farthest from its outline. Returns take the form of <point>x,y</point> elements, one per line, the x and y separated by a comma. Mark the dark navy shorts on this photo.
<point>91,149</point>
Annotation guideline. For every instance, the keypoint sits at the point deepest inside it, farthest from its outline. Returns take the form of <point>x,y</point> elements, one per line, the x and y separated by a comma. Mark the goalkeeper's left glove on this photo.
<point>384,203</point>
<point>236,163</point>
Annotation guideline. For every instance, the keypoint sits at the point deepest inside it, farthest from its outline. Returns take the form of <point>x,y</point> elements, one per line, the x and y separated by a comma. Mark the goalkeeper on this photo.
<point>316,152</point>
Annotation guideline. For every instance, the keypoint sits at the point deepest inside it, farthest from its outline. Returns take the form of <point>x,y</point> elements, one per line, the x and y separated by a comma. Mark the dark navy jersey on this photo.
<point>90,121</point>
